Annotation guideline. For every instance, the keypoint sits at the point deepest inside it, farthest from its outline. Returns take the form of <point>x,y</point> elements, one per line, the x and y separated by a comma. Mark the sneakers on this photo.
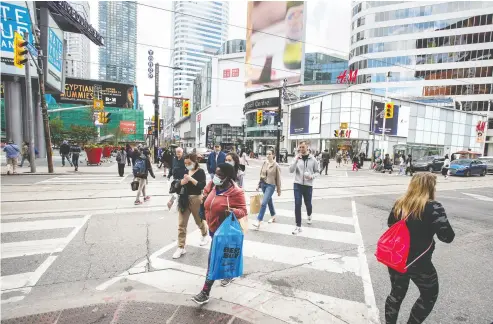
<point>201,298</point>
<point>171,202</point>
<point>272,220</point>
<point>226,282</point>
<point>138,202</point>
<point>179,252</point>
<point>147,198</point>
<point>204,240</point>
<point>309,222</point>
<point>256,224</point>
<point>297,230</point>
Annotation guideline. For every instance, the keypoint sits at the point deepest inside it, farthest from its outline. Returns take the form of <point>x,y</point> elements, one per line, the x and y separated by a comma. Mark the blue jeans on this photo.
<point>268,190</point>
<point>305,192</point>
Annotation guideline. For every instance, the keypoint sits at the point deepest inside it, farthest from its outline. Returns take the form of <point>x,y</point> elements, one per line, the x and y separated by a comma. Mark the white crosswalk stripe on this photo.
<point>20,284</point>
<point>270,248</point>
<point>79,178</point>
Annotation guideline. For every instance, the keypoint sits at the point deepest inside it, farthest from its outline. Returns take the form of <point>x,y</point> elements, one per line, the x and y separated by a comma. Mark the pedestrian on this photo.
<point>135,154</point>
<point>243,161</point>
<point>121,159</point>
<point>223,196</point>
<point>409,165</point>
<point>159,153</point>
<point>65,153</point>
<point>305,168</point>
<point>445,167</point>
<point>215,158</point>
<point>189,202</point>
<point>355,163</point>
<point>143,163</point>
<point>75,151</point>
<point>338,160</point>
<point>12,154</point>
<point>424,218</point>
<point>270,181</point>
<point>129,151</point>
<point>402,164</point>
<point>178,171</point>
<point>361,160</point>
<point>233,159</point>
<point>325,161</point>
<point>25,154</point>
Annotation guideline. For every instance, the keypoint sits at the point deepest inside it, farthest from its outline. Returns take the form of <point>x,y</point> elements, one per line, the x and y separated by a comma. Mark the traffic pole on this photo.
<point>30,111</point>
<point>156,111</point>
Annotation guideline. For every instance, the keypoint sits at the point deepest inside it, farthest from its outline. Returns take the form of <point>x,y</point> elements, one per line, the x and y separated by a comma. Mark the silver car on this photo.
<point>488,160</point>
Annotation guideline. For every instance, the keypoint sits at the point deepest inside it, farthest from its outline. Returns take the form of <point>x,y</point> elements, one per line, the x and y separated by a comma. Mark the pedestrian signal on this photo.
<point>389,110</point>
<point>20,50</point>
<point>260,116</point>
<point>185,108</point>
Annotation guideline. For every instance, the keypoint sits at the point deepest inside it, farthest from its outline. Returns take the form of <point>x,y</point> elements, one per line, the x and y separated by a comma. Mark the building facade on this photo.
<point>440,51</point>
<point>118,25</point>
<point>78,61</point>
<point>199,29</point>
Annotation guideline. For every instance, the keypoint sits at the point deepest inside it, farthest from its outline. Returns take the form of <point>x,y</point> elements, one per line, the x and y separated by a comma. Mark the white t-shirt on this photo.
<point>243,159</point>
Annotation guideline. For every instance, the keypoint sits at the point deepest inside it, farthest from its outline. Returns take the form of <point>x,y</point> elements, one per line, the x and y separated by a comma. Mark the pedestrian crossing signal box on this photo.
<point>20,50</point>
<point>104,117</point>
<point>260,117</point>
<point>185,108</point>
<point>389,110</point>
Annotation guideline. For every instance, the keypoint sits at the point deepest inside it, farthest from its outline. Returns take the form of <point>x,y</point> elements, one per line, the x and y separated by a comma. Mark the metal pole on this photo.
<point>156,111</point>
<point>30,111</point>
<point>384,119</point>
<point>278,118</point>
<point>44,111</point>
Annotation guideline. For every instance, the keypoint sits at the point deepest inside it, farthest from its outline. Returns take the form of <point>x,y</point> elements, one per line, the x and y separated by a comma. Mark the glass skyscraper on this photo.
<point>78,62</point>
<point>118,26</point>
<point>199,29</point>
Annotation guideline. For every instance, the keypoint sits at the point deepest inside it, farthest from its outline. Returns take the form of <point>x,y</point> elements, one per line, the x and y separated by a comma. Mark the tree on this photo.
<point>58,133</point>
<point>82,134</point>
<point>118,135</point>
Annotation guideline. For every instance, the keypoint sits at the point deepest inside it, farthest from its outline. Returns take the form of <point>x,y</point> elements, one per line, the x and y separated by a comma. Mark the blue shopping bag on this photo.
<point>226,259</point>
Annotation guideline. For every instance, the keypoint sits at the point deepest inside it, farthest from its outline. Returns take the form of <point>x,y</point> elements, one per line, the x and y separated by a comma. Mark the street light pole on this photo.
<point>30,111</point>
<point>156,111</point>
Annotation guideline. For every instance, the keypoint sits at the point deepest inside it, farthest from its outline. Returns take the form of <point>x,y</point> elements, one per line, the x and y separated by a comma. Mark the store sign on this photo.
<point>343,126</point>
<point>342,133</point>
<point>262,103</point>
<point>127,126</point>
<point>347,77</point>
<point>231,73</point>
<point>480,130</point>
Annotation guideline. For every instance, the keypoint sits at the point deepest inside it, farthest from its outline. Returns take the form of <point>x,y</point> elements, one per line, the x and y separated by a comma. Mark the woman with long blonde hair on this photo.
<point>424,218</point>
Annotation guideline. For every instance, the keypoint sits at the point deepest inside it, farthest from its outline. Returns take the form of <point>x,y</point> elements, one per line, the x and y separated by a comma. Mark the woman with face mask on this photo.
<point>223,196</point>
<point>270,181</point>
<point>234,160</point>
<point>189,201</point>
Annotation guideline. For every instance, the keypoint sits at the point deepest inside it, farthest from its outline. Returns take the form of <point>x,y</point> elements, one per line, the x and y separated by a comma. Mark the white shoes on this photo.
<point>179,252</point>
<point>204,240</point>
<point>297,230</point>
<point>309,222</point>
<point>256,223</point>
<point>272,220</point>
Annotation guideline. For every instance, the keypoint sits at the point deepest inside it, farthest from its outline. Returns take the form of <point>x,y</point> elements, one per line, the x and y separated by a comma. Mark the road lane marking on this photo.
<point>478,197</point>
<point>40,225</point>
<point>317,217</point>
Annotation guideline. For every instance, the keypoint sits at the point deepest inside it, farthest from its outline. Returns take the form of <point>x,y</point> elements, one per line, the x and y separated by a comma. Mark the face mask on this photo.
<point>217,181</point>
<point>190,167</point>
<point>231,163</point>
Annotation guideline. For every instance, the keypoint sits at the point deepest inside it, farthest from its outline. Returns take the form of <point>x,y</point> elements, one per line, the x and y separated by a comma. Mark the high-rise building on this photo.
<point>78,62</point>
<point>199,28</point>
<point>118,26</point>
<point>436,51</point>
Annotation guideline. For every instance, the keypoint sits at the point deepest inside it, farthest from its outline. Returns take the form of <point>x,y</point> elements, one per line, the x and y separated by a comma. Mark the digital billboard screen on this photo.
<point>305,120</point>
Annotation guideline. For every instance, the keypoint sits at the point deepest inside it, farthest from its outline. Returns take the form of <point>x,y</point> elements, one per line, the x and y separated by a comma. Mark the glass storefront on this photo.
<point>322,68</point>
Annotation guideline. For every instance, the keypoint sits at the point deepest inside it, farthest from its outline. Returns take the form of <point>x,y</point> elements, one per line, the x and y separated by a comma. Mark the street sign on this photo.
<point>199,117</point>
<point>97,104</point>
<point>150,52</point>
<point>32,50</point>
<point>344,126</point>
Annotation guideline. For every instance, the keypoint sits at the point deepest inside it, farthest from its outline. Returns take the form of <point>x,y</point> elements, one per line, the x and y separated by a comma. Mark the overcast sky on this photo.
<point>328,31</point>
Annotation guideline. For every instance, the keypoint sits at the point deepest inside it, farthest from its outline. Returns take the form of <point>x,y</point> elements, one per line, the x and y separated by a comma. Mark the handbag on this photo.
<point>134,185</point>
<point>226,259</point>
<point>255,203</point>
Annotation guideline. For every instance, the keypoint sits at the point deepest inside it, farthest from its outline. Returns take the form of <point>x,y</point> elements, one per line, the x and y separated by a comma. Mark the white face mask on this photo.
<point>231,163</point>
<point>217,181</point>
<point>190,167</point>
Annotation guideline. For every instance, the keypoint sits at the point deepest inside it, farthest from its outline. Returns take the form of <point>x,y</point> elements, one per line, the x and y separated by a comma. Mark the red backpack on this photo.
<point>393,247</point>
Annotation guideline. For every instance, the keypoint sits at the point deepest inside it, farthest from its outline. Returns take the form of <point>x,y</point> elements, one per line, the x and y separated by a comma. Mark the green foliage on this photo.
<point>118,135</point>
<point>82,134</point>
<point>57,132</point>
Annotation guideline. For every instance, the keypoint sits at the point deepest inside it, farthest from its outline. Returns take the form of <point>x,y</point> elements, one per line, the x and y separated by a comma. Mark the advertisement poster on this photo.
<point>275,48</point>
<point>80,91</point>
<point>305,120</point>
<point>127,127</point>
<point>391,124</point>
<point>55,55</point>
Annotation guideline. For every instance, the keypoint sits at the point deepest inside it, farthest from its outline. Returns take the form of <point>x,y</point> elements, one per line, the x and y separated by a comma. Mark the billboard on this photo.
<point>398,125</point>
<point>54,48</point>
<point>80,91</point>
<point>127,126</point>
<point>275,43</point>
<point>305,120</point>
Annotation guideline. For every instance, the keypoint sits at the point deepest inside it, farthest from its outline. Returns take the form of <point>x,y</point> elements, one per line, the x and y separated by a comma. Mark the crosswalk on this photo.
<point>29,248</point>
<point>329,256</point>
<point>89,178</point>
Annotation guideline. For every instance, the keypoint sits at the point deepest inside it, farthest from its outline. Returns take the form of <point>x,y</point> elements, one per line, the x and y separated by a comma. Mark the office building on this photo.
<point>118,26</point>
<point>198,31</point>
<point>78,62</point>
<point>441,52</point>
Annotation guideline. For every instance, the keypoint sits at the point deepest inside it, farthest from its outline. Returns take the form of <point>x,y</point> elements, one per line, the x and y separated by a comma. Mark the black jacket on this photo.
<point>178,169</point>
<point>64,149</point>
<point>75,149</point>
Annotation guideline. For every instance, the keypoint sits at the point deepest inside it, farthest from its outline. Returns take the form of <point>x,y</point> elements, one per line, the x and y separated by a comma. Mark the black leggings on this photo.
<point>426,279</point>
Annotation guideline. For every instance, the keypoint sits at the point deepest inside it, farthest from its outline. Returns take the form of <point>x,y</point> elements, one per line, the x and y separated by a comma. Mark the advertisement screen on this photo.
<point>114,94</point>
<point>275,35</point>
<point>391,124</point>
<point>305,120</point>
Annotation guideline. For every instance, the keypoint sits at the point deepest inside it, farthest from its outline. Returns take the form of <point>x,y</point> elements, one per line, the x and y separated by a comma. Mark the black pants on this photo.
<point>121,168</point>
<point>208,283</point>
<point>444,171</point>
<point>128,160</point>
<point>410,170</point>
<point>325,165</point>
<point>75,160</point>
<point>242,167</point>
<point>65,156</point>
<point>426,279</point>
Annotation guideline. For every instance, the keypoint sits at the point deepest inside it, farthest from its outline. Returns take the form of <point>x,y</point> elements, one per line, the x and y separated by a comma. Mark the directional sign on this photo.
<point>32,50</point>
<point>98,104</point>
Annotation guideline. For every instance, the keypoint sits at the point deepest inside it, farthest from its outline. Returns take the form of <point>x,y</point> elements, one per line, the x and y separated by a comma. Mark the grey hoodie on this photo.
<point>299,167</point>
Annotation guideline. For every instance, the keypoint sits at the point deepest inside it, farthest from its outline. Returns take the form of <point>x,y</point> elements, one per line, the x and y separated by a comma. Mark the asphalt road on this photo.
<point>77,239</point>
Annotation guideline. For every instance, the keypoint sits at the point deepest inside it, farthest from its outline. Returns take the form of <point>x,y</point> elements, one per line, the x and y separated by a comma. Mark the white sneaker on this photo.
<point>179,252</point>
<point>256,224</point>
<point>204,240</point>
<point>297,230</point>
<point>309,222</point>
<point>272,220</point>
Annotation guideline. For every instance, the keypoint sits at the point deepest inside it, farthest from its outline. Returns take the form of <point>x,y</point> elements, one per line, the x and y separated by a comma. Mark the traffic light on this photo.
<point>104,117</point>
<point>20,50</point>
<point>185,108</point>
<point>260,116</point>
<point>389,110</point>
<point>336,133</point>
<point>101,117</point>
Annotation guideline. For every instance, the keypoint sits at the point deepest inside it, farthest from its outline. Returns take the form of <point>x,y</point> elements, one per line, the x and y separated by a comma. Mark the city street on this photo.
<point>74,240</point>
